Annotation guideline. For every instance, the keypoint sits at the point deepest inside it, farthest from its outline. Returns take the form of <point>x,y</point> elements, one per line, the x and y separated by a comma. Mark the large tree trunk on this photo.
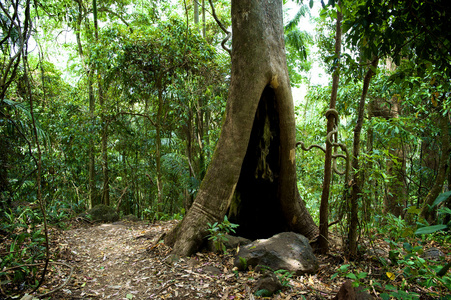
<point>254,162</point>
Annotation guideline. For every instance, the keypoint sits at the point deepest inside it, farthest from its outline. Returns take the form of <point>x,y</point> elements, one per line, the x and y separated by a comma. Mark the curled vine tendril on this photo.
<point>332,139</point>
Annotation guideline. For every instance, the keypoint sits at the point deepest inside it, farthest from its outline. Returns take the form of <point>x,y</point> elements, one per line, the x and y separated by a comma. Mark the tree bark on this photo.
<point>323,238</point>
<point>357,183</point>
<point>259,79</point>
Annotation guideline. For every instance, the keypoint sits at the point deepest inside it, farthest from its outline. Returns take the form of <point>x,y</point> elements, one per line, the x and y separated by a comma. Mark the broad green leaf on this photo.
<point>442,197</point>
<point>362,275</point>
<point>344,268</point>
<point>430,229</point>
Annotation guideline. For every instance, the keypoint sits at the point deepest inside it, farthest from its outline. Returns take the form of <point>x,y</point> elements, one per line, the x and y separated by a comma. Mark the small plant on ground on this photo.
<point>284,277</point>
<point>218,233</point>
<point>344,271</point>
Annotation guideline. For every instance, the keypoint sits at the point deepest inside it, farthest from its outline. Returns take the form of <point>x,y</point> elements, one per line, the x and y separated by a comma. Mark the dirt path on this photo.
<point>117,261</point>
<point>111,261</point>
<point>114,261</point>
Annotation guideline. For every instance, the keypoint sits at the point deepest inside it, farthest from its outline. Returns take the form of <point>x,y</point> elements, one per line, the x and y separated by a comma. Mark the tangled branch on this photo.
<point>331,139</point>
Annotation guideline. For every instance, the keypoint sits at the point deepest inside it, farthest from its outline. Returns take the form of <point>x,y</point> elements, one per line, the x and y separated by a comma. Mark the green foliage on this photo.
<point>430,229</point>
<point>298,45</point>
<point>263,293</point>
<point>425,228</point>
<point>23,246</point>
<point>284,277</point>
<point>344,271</point>
<point>396,227</point>
<point>158,215</point>
<point>243,263</point>
<point>217,233</point>
<point>406,266</point>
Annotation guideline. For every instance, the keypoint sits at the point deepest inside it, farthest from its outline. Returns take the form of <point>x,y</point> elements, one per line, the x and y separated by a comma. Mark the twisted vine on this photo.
<point>228,33</point>
<point>331,139</point>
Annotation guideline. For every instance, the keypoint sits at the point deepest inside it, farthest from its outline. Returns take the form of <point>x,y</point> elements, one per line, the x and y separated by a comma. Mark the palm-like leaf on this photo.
<point>293,23</point>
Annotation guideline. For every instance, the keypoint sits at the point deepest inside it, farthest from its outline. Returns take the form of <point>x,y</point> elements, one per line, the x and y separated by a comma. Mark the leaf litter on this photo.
<point>124,260</point>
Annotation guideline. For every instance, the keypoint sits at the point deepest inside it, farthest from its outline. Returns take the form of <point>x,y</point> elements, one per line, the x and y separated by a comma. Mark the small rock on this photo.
<point>433,254</point>
<point>287,250</point>
<point>130,218</point>
<point>377,252</point>
<point>268,285</point>
<point>348,292</point>
<point>192,263</point>
<point>103,213</point>
<point>212,270</point>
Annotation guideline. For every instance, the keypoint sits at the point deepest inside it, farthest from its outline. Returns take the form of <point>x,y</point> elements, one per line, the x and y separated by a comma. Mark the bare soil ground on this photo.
<point>124,261</point>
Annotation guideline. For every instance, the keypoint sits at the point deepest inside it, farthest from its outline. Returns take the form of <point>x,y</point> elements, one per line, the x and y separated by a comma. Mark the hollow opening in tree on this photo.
<point>255,206</point>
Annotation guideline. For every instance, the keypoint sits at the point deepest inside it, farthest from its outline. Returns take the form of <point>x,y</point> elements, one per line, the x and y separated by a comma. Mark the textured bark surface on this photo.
<point>259,79</point>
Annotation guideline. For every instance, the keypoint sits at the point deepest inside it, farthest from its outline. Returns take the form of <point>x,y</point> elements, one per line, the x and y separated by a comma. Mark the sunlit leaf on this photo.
<point>390,275</point>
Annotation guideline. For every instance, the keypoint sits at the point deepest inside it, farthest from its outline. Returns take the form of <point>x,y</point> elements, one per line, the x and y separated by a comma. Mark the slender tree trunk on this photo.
<point>106,178</point>
<point>442,172</point>
<point>323,239</point>
<point>369,166</point>
<point>200,138</point>
<point>204,25</point>
<point>158,146</point>
<point>104,137</point>
<point>357,183</point>
<point>196,13</point>
<point>258,131</point>
<point>189,154</point>
<point>38,161</point>
<point>89,72</point>
<point>91,148</point>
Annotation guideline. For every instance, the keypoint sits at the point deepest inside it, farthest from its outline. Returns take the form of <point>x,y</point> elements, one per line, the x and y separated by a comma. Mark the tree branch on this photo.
<point>223,29</point>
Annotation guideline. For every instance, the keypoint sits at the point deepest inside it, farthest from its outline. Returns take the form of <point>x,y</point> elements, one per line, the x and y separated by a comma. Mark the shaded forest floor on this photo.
<point>122,261</point>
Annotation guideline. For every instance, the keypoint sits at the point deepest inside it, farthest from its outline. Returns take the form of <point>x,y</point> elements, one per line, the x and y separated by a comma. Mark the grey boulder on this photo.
<point>287,250</point>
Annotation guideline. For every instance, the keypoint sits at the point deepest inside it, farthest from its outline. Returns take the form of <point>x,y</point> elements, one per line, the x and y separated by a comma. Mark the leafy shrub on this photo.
<point>218,231</point>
